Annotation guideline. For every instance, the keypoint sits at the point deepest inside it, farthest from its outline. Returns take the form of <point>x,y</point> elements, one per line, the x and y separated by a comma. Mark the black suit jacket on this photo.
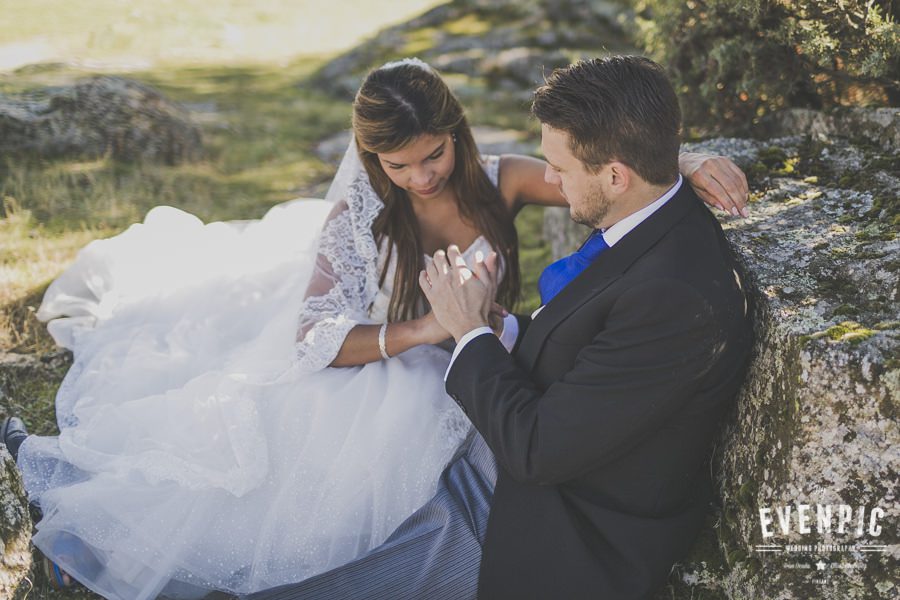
<point>602,419</point>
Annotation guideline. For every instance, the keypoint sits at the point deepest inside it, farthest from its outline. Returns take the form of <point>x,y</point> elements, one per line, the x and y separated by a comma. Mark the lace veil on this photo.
<point>344,281</point>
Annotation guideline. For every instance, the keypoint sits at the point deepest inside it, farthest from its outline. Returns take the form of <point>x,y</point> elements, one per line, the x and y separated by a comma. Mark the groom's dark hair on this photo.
<point>615,108</point>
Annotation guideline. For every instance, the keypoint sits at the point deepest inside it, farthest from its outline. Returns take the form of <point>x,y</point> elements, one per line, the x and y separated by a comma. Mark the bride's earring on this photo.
<point>454,138</point>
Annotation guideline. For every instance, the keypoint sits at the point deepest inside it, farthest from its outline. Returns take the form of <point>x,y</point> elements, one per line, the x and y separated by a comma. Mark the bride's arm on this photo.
<point>716,179</point>
<point>361,344</point>
<point>333,325</point>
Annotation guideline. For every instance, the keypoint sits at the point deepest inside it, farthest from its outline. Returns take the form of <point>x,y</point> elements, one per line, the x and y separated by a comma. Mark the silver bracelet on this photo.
<point>382,345</point>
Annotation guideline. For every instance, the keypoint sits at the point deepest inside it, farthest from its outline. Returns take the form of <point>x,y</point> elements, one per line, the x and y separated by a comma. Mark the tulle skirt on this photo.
<point>192,455</point>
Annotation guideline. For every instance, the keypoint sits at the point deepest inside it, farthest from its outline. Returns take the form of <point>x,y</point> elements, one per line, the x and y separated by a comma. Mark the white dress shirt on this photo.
<point>611,236</point>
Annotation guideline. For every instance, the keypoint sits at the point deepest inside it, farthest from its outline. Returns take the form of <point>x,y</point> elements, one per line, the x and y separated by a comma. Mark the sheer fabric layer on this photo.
<point>202,446</point>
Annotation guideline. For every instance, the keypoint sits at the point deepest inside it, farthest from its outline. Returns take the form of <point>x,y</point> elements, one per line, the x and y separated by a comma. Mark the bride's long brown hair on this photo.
<point>393,107</point>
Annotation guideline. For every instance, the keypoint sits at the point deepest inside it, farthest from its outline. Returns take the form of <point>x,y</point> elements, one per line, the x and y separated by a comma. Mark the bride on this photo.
<point>208,439</point>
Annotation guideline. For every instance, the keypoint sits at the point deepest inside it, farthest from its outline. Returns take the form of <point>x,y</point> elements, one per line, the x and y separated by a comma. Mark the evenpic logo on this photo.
<point>823,532</point>
<point>821,518</point>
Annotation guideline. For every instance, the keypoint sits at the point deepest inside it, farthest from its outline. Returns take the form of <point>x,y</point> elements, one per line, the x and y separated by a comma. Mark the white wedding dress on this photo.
<point>203,447</point>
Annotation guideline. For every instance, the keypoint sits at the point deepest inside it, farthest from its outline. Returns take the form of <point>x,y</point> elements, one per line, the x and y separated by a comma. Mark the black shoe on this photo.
<point>13,433</point>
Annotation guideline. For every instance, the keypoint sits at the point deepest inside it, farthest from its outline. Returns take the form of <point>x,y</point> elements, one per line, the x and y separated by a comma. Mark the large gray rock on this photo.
<point>506,41</point>
<point>880,126</point>
<point>816,423</point>
<point>101,116</point>
<point>15,530</point>
<point>524,67</point>
<point>467,62</point>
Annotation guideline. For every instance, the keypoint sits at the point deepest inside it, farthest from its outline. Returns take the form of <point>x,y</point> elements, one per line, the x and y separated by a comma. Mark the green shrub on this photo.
<point>733,61</point>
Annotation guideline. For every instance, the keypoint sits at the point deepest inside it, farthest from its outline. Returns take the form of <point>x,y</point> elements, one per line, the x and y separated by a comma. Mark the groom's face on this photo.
<point>588,202</point>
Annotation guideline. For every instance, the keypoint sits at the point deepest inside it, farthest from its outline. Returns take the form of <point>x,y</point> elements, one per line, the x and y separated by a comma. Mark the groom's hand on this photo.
<point>461,298</point>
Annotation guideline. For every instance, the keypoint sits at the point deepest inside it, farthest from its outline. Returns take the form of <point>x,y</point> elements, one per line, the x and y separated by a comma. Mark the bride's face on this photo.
<point>422,167</point>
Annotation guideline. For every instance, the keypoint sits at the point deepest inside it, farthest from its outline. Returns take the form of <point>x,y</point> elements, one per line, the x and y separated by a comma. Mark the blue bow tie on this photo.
<point>558,275</point>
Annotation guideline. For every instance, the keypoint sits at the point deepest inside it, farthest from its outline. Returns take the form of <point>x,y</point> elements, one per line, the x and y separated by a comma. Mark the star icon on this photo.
<point>820,566</point>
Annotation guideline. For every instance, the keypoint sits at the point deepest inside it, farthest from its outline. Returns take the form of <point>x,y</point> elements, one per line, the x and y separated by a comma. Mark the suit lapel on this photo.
<point>608,267</point>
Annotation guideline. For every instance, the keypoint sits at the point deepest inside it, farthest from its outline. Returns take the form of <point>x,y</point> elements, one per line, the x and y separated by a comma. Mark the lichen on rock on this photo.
<point>15,529</point>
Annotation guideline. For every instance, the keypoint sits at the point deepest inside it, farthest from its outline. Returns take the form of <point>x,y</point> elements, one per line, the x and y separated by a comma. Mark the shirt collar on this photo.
<point>616,232</point>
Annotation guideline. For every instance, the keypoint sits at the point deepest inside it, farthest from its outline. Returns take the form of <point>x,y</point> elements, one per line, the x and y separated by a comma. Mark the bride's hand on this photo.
<point>717,180</point>
<point>432,331</point>
<point>495,318</point>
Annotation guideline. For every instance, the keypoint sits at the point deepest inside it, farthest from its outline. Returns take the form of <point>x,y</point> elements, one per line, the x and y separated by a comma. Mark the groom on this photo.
<point>602,418</point>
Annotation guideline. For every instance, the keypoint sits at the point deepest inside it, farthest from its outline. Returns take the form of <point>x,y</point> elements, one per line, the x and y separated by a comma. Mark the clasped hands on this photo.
<point>462,296</point>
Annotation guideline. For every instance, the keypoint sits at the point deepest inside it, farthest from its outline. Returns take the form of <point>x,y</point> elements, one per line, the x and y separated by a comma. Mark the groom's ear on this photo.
<point>618,176</point>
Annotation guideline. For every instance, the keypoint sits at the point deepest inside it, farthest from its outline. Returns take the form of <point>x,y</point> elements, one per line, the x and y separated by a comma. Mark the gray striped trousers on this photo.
<point>432,555</point>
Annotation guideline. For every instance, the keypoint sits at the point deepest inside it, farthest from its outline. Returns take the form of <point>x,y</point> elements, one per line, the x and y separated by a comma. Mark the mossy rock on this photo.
<point>816,421</point>
<point>15,530</point>
<point>484,40</point>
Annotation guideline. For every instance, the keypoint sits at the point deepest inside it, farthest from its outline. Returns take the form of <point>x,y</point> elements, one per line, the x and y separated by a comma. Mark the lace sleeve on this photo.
<point>344,279</point>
